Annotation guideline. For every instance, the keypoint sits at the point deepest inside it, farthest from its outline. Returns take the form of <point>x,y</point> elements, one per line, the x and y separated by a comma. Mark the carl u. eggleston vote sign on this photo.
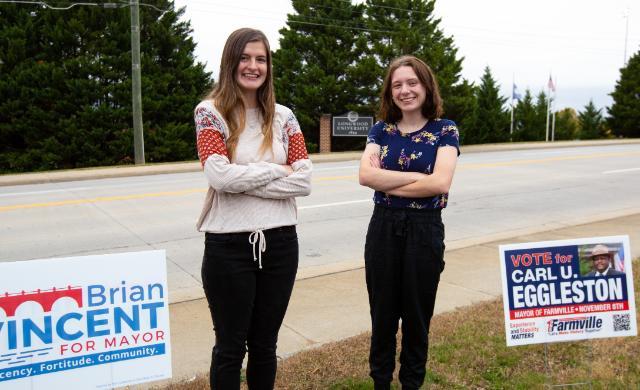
<point>90,322</point>
<point>567,290</point>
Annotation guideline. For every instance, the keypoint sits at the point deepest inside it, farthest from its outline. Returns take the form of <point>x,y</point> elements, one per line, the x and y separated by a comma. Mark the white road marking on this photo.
<point>335,168</point>
<point>97,187</point>
<point>317,206</point>
<point>620,171</point>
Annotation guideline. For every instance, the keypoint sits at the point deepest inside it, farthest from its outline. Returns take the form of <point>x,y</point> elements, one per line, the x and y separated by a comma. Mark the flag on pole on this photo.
<point>515,95</point>
<point>550,84</point>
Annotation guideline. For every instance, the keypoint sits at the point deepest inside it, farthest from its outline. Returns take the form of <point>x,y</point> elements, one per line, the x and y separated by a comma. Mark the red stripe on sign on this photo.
<point>569,309</point>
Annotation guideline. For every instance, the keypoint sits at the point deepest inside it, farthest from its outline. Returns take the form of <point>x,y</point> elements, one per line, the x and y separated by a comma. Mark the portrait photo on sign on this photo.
<point>602,259</point>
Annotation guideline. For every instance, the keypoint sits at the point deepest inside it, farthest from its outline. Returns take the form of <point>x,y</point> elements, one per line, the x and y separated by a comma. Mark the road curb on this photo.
<point>318,271</point>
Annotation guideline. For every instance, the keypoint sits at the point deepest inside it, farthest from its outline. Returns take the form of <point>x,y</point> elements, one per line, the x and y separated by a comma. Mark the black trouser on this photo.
<point>403,261</point>
<point>247,303</point>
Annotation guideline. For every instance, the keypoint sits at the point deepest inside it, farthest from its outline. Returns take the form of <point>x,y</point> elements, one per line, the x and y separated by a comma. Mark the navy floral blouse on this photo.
<point>412,152</point>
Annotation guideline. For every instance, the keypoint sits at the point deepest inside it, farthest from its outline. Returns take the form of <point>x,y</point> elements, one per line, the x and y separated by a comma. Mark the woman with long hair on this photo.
<point>409,161</point>
<point>255,161</point>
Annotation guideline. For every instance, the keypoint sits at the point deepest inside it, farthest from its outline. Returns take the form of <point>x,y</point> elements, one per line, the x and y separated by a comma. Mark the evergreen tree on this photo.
<point>399,27</point>
<point>490,120</point>
<point>591,122</point>
<point>315,69</point>
<point>566,125</point>
<point>540,124</point>
<point>65,90</point>
<point>333,56</point>
<point>624,114</point>
<point>526,119</point>
<point>459,105</point>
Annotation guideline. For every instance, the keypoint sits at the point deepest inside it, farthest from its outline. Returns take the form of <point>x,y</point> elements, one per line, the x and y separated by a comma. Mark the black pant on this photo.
<point>403,261</point>
<point>247,304</point>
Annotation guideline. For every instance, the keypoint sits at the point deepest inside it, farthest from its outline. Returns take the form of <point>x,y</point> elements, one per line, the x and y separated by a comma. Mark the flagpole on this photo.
<point>546,138</point>
<point>553,126</point>
<point>513,83</point>
<point>553,119</point>
<point>511,129</point>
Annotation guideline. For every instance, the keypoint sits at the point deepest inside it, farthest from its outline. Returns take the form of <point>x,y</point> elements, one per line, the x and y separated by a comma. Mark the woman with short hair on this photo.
<point>409,161</point>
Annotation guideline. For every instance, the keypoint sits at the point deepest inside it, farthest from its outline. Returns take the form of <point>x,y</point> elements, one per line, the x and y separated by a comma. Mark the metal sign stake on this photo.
<point>548,373</point>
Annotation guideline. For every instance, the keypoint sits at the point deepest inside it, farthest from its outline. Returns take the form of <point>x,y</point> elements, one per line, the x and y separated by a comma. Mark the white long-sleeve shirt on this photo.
<point>253,192</point>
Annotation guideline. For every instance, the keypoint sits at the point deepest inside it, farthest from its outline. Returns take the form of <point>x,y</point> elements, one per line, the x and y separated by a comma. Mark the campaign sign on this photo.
<point>91,322</point>
<point>567,290</point>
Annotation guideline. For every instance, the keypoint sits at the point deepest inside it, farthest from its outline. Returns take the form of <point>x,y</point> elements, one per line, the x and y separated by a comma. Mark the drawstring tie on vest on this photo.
<point>257,237</point>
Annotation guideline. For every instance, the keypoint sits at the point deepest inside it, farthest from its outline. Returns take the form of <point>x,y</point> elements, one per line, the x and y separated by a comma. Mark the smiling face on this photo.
<point>251,72</point>
<point>601,262</point>
<point>407,91</point>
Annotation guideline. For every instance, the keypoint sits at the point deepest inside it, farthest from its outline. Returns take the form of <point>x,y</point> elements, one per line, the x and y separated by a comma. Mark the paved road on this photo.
<point>494,195</point>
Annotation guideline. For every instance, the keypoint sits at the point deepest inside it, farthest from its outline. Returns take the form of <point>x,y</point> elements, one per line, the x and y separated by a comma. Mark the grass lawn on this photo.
<point>468,351</point>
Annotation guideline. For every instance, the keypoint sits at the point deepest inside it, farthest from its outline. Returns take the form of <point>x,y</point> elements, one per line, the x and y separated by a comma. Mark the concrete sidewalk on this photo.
<point>334,306</point>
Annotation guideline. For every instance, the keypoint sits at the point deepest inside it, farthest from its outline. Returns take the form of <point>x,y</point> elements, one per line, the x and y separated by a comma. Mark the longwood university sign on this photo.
<point>351,125</point>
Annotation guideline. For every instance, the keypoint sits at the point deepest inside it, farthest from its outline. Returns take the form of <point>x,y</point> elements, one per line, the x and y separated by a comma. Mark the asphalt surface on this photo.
<point>192,166</point>
<point>331,304</point>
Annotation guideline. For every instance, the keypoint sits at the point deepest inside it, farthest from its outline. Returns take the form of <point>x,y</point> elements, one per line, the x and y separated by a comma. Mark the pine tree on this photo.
<point>624,114</point>
<point>526,119</point>
<point>65,91</point>
<point>591,122</point>
<point>490,120</point>
<point>539,130</point>
<point>399,27</point>
<point>333,57</point>
<point>315,68</point>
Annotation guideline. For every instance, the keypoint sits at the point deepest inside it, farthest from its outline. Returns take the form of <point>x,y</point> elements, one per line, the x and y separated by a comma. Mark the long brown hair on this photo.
<point>227,95</point>
<point>432,106</point>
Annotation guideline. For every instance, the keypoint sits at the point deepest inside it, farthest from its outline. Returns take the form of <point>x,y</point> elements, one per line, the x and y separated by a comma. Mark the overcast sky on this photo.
<point>581,43</point>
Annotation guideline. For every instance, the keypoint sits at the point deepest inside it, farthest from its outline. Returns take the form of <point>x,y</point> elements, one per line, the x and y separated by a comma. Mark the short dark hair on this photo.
<point>432,107</point>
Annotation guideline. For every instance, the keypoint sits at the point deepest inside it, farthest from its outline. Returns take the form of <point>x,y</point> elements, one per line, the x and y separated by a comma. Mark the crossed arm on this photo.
<point>296,183</point>
<point>261,179</point>
<point>408,184</point>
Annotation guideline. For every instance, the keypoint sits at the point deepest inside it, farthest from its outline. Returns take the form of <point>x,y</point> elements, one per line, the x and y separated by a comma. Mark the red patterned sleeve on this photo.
<point>296,148</point>
<point>210,142</point>
<point>210,137</point>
